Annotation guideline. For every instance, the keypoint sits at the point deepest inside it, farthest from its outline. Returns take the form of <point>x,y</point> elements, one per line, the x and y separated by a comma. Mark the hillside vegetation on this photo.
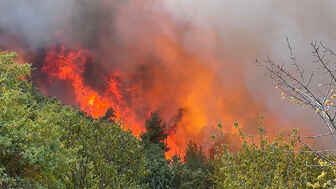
<point>45,144</point>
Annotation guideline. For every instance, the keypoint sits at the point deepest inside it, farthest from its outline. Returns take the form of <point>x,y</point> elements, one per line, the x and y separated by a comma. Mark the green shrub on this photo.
<point>266,164</point>
<point>196,170</point>
<point>160,175</point>
<point>44,144</point>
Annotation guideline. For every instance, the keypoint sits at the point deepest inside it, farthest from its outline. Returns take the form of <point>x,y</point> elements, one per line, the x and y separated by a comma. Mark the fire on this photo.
<point>69,65</point>
<point>200,97</point>
<point>189,94</point>
<point>152,69</point>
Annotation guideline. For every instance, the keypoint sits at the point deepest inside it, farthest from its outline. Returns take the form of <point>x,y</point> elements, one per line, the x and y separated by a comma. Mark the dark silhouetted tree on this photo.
<point>155,132</point>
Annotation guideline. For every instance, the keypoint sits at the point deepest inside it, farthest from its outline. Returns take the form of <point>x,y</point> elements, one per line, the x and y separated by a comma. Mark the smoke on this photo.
<point>257,26</point>
<point>34,20</point>
<point>255,29</point>
<point>195,57</point>
<point>263,21</point>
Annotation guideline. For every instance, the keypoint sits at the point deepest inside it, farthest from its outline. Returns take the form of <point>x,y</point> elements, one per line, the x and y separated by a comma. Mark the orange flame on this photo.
<point>184,81</point>
<point>193,89</point>
<point>69,65</point>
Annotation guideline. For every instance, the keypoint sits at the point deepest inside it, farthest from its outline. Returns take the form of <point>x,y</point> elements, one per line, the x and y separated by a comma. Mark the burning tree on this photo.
<point>314,88</point>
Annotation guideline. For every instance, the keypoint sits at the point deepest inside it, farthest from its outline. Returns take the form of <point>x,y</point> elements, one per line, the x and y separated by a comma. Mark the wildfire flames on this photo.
<point>146,71</point>
<point>69,65</point>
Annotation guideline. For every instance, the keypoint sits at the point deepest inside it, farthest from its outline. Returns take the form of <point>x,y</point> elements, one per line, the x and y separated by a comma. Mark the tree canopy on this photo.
<point>46,144</point>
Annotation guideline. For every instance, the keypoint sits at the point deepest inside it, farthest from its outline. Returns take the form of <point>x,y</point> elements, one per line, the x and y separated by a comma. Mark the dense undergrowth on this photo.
<point>45,144</point>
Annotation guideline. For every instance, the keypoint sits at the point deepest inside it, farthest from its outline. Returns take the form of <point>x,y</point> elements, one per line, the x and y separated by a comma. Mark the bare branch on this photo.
<point>327,49</point>
<point>316,136</point>
<point>293,59</point>
<point>319,151</point>
<point>310,79</point>
<point>321,60</point>
<point>321,99</point>
<point>321,156</point>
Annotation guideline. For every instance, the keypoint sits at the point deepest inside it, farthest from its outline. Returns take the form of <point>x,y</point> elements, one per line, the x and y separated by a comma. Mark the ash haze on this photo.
<point>254,29</point>
<point>34,20</point>
<point>239,32</point>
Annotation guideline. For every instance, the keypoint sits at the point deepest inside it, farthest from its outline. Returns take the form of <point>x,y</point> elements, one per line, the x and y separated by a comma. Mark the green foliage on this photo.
<point>323,180</point>
<point>195,157</point>
<point>155,131</point>
<point>195,172</point>
<point>160,175</point>
<point>164,174</point>
<point>268,165</point>
<point>106,156</point>
<point>44,144</point>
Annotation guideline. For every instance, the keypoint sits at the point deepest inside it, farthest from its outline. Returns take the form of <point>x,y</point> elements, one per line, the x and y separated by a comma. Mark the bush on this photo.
<point>44,144</point>
<point>268,165</point>
<point>196,170</point>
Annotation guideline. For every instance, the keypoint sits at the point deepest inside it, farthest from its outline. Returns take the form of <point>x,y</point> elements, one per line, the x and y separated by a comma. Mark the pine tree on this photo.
<point>155,131</point>
<point>160,175</point>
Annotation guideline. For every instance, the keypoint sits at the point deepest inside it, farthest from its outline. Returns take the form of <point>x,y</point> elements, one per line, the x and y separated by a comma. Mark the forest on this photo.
<point>47,144</point>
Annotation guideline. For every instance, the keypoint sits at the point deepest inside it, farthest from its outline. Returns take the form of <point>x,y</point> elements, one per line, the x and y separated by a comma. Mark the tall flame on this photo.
<point>69,65</point>
<point>151,69</point>
<point>189,94</point>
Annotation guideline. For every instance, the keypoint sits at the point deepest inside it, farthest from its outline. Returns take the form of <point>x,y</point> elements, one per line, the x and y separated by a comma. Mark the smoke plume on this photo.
<point>190,60</point>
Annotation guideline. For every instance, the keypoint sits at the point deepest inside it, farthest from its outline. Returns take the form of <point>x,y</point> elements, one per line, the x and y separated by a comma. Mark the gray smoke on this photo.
<point>246,30</point>
<point>256,29</point>
<point>34,20</point>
